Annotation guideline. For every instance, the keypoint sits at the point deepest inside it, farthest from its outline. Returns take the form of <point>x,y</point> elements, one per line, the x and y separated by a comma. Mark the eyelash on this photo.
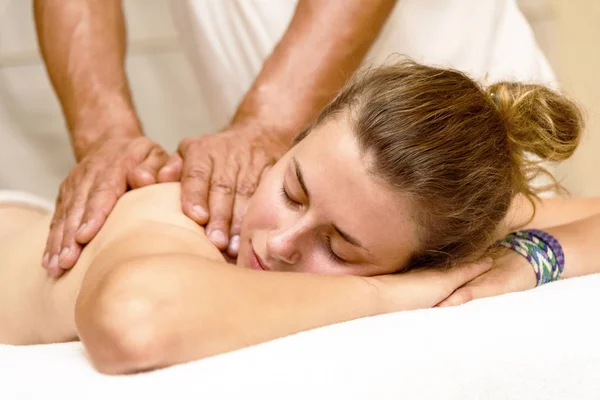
<point>294,204</point>
<point>334,257</point>
<point>288,200</point>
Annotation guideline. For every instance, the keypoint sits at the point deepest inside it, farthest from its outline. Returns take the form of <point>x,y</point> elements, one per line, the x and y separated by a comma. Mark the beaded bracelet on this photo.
<point>541,249</point>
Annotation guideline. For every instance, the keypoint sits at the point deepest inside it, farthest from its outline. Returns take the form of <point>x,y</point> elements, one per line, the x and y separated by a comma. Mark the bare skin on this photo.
<point>151,290</point>
<point>83,45</point>
<point>148,227</point>
<point>149,255</point>
<point>176,258</point>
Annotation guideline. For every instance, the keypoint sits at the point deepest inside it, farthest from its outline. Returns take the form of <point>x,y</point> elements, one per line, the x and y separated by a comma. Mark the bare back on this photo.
<point>36,308</point>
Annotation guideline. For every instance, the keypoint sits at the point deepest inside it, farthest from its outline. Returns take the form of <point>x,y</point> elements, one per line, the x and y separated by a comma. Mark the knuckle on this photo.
<point>63,189</point>
<point>464,296</point>
<point>159,152</point>
<point>197,172</point>
<point>222,187</point>
<point>85,169</point>
<point>112,175</point>
<point>187,143</point>
<point>141,140</point>
<point>67,239</point>
<point>246,188</point>
<point>260,155</point>
<point>235,228</point>
<point>58,203</point>
<point>262,158</point>
<point>219,221</point>
<point>54,223</point>
<point>79,200</point>
<point>104,191</point>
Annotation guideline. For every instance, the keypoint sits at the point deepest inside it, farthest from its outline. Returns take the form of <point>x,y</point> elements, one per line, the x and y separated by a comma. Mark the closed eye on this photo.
<point>288,200</point>
<point>334,257</point>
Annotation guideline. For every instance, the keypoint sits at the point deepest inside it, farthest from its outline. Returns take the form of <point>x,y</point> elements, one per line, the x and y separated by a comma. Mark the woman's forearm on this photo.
<point>549,212</point>
<point>580,241</point>
<point>157,292</point>
<point>168,309</point>
<point>83,45</point>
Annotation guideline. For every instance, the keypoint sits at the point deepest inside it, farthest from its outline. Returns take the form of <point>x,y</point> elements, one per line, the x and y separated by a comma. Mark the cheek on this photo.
<point>262,209</point>
<point>315,261</point>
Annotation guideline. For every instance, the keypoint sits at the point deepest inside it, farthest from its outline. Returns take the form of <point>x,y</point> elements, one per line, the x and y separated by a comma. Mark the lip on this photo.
<point>256,262</point>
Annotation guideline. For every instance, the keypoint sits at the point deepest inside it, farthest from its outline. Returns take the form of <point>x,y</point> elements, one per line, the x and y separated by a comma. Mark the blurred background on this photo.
<point>167,97</point>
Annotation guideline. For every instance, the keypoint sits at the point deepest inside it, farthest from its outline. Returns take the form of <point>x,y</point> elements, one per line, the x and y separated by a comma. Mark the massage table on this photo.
<point>539,344</point>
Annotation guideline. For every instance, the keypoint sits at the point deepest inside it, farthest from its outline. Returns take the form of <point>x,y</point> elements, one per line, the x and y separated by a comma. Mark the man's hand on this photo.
<point>510,273</point>
<point>219,173</point>
<point>91,190</point>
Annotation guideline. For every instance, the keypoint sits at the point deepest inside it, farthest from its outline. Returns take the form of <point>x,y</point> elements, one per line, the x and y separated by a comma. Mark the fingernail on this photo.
<point>199,212</point>
<point>45,259</point>
<point>54,272</point>
<point>234,244</point>
<point>218,238</point>
<point>64,253</point>
<point>53,263</point>
<point>81,228</point>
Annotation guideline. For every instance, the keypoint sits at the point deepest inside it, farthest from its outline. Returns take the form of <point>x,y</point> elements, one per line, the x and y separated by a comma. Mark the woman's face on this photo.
<point>318,210</point>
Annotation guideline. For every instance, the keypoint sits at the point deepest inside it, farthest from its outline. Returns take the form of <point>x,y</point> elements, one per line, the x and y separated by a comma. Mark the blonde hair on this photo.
<point>459,150</point>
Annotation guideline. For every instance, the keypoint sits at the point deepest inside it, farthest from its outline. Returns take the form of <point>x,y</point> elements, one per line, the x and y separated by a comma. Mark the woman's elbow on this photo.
<point>116,322</point>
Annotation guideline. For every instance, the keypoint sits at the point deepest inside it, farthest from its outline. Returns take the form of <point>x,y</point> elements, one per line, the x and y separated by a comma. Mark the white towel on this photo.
<point>540,344</point>
<point>25,199</point>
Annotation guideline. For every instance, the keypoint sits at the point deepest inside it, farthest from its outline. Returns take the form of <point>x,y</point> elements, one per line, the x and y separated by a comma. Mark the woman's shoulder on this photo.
<point>161,194</point>
<point>154,205</point>
<point>160,202</point>
<point>156,210</point>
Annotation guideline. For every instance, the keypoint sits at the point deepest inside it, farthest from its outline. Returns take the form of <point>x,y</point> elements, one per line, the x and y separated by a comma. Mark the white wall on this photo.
<point>163,84</point>
<point>168,99</point>
<point>568,32</point>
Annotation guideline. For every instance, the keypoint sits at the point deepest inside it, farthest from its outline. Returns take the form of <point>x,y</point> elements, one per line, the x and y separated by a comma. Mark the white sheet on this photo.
<point>541,344</point>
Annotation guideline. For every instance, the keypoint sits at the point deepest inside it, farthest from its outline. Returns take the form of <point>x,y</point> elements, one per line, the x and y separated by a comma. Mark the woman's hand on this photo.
<point>509,273</point>
<point>425,288</point>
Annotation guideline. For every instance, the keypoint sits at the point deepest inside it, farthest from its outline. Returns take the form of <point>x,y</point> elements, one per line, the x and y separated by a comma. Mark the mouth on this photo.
<point>256,262</point>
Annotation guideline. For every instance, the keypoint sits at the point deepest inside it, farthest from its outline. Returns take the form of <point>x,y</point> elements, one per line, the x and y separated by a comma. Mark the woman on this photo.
<point>409,168</point>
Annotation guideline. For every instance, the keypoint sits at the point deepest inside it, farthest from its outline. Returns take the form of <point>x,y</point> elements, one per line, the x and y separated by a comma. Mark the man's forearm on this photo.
<point>324,44</point>
<point>83,45</point>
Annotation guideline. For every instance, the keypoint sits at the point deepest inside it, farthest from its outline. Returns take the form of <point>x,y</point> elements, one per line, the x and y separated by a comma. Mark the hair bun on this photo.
<point>538,120</point>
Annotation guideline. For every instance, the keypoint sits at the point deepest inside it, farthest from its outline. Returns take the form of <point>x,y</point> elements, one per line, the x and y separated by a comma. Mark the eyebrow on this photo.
<point>300,177</point>
<point>348,238</point>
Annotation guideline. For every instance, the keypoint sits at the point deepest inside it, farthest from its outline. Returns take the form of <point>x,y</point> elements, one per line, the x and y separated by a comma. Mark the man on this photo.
<point>265,68</point>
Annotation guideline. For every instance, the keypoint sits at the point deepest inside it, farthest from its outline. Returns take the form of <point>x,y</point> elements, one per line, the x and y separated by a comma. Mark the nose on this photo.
<point>282,246</point>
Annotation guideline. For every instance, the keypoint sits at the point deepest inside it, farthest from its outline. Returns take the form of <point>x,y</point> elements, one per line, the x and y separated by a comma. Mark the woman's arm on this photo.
<point>158,293</point>
<point>36,308</point>
<point>147,312</point>
<point>154,311</point>
<point>549,212</point>
<point>579,237</point>
<point>580,241</point>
